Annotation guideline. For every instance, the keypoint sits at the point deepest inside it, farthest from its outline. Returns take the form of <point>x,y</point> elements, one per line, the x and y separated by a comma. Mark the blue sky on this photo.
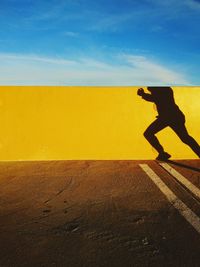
<point>87,42</point>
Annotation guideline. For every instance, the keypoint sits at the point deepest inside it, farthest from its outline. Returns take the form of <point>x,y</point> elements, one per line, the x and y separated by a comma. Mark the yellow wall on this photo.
<point>39,123</point>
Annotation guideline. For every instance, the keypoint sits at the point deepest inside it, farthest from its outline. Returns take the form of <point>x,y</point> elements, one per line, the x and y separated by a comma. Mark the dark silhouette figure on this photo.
<point>170,115</point>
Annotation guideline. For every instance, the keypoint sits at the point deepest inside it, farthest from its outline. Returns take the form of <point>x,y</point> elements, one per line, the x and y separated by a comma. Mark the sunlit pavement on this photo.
<point>99,213</point>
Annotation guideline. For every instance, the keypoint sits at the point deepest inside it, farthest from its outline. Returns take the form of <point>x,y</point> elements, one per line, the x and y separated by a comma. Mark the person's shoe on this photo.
<point>163,156</point>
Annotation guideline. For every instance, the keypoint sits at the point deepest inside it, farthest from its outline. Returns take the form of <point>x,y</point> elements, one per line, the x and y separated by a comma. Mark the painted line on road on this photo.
<point>184,181</point>
<point>186,212</point>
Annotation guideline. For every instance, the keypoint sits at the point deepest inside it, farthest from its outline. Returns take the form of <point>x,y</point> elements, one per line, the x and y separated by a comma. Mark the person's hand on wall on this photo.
<point>140,91</point>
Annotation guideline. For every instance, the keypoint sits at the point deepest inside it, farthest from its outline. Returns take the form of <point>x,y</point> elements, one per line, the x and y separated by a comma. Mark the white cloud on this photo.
<point>34,58</point>
<point>131,70</point>
<point>154,71</point>
<point>112,22</point>
<point>193,4</point>
<point>71,34</point>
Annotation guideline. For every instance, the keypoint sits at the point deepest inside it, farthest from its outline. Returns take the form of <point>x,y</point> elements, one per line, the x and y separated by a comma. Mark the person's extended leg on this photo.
<point>149,134</point>
<point>181,131</point>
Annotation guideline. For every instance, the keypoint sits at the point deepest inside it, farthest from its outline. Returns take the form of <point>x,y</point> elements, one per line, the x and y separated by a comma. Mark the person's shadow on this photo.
<point>169,115</point>
<point>183,165</point>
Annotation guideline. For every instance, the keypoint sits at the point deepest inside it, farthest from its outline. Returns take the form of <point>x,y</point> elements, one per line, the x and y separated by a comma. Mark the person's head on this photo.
<point>160,90</point>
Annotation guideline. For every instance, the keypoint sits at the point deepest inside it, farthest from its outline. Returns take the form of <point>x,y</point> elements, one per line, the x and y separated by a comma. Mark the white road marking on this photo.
<point>181,179</point>
<point>186,212</point>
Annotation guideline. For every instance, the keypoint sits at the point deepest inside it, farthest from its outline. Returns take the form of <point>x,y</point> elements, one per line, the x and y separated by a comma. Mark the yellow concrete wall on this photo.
<point>43,123</point>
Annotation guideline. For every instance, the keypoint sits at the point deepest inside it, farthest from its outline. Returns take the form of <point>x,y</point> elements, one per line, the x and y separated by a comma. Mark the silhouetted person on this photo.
<point>170,115</point>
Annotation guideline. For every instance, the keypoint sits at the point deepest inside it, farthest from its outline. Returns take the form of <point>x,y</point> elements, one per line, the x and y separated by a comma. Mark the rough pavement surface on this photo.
<point>94,213</point>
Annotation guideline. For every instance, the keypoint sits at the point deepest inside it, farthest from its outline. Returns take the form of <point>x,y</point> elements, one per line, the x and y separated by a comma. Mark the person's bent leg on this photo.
<point>149,134</point>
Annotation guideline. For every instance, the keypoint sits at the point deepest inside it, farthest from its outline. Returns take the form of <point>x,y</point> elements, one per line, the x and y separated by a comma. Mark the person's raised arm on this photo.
<point>145,96</point>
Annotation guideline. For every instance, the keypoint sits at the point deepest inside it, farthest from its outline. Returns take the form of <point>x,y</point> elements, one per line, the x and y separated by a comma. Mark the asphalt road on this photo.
<point>99,213</point>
